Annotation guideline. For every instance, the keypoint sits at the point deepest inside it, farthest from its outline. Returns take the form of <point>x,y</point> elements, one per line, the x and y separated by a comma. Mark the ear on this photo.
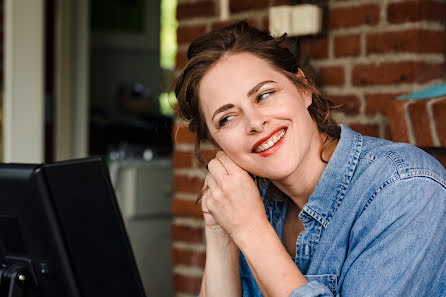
<point>300,73</point>
<point>307,95</point>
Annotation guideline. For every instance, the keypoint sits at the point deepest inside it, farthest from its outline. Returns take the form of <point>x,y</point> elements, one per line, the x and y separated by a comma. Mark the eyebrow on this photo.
<point>222,109</point>
<point>258,86</point>
<point>252,91</point>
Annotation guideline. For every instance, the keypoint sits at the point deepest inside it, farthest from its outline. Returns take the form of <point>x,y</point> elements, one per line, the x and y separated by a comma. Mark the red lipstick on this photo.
<point>262,140</point>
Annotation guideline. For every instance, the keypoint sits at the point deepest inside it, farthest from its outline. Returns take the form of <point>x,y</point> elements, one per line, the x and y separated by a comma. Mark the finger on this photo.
<point>202,192</point>
<point>212,183</point>
<point>204,207</point>
<point>216,168</point>
<point>230,166</point>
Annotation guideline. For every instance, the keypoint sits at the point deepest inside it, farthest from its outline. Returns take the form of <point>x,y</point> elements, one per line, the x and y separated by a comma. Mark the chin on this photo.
<point>275,173</point>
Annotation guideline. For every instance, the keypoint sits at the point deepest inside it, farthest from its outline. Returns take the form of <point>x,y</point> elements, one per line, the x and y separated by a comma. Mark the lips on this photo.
<point>269,141</point>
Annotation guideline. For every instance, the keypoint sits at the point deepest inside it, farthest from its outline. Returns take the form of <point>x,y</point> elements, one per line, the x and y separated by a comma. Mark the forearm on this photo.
<point>272,267</point>
<point>221,273</point>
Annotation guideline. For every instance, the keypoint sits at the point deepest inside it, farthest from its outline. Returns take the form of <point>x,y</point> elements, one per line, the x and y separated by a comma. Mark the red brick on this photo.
<point>427,72</point>
<point>196,9</point>
<point>181,134</point>
<point>187,234</point>
<point>347,45</point>
<point>314,48</point>
<point>388,133</point>
<point>345,17</point>
<point>366,129</point>
<point>188,258</point>
<point>331,76</point>
<point>182,159</point>
<point>186,208</point>
<point>186,184</point>
<point>414,11</point>
<point>221,24</point>
<point>186,284</point>
<point>181,59</point>
<point>265,23</point>
<point>396,73</point>
<point>236,6</point>
<point>420,123</point>
<point>375,103</point>
<point>397,123</point>
<point>349,104</point>
<point>252,22</point>
<point>280,2</point>
<point>439,114</point>
<point>417,41</point>
<point>186,34</point>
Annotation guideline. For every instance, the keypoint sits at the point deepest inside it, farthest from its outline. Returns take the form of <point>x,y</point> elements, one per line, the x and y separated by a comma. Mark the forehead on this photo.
<point>232,67</point>
<point>232,77</point>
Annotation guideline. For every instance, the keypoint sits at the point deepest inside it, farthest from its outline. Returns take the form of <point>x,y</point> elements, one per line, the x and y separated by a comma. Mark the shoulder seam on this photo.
<point>394,178</point>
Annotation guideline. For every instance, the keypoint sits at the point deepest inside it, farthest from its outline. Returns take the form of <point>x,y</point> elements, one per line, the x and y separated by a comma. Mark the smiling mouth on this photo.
<point>270,142</point>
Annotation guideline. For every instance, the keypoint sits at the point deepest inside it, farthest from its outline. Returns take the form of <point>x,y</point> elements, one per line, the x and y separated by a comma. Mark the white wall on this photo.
<point>23,120</point>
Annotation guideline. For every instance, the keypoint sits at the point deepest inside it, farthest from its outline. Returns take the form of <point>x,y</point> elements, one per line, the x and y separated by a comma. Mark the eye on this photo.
<point>264,95</point>
<point>225,120</point>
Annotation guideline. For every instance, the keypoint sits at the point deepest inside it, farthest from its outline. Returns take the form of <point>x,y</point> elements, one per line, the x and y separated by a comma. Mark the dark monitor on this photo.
<point>62,234</point>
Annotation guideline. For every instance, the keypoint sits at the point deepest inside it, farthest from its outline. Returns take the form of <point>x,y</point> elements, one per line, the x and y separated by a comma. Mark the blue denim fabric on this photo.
<point>374,224</point>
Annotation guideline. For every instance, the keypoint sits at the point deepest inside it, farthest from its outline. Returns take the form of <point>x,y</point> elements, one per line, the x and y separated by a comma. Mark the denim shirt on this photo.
<point>374,224</point>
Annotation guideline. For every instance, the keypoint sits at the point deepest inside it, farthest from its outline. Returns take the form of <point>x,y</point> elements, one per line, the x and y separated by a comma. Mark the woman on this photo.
<point>337,213</point>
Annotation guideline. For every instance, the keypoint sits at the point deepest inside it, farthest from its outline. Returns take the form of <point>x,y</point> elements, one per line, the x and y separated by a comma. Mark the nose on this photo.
<point>255,122</point>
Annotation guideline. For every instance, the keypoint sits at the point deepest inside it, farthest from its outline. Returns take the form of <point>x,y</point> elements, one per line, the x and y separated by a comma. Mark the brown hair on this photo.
<point>209,48</point>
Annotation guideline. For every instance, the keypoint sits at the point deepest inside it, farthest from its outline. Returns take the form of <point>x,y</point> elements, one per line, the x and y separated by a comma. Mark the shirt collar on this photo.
<point>333,184</point>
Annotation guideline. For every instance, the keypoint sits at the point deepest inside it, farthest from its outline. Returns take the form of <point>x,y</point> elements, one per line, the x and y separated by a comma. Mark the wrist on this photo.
<point>252,232</point>
<point>218,237</point>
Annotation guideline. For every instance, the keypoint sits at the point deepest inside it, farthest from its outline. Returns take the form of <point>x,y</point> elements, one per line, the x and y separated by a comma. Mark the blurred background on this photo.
<point>94,77</point>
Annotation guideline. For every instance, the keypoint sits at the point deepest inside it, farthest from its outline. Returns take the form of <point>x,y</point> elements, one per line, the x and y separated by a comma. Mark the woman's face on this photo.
<point>257,115</point>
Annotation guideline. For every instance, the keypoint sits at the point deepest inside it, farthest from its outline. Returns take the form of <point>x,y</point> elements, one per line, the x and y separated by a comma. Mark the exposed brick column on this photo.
<point>372,52</point>
<point>375,51</point>
<point>421,122</point>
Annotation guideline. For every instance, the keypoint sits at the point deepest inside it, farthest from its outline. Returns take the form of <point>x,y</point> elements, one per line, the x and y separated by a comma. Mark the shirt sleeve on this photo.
<point>312,289</point>
<point>397,245</point>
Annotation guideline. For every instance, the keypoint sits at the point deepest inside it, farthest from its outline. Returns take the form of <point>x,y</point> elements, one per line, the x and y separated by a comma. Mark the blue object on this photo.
<point>431,92</point>
<point>374,224</point>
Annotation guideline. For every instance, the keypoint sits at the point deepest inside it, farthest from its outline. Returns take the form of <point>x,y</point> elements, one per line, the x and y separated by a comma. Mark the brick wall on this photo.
<point>371,52</point>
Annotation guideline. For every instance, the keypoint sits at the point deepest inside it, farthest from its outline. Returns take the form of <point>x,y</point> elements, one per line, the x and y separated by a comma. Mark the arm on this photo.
<point>234,201</point>
<point>221,272</point>
<point>274,271</point>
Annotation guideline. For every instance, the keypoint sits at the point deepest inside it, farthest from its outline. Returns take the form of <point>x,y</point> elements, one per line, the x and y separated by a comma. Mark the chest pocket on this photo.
<point>329,280</point>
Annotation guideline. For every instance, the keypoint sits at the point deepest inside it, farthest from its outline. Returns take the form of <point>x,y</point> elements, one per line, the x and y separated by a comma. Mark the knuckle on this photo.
<point>211,164</point>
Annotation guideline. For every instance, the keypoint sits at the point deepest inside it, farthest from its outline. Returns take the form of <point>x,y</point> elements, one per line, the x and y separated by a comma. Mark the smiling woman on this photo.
<point>251,108</point>
<point>339,214</point>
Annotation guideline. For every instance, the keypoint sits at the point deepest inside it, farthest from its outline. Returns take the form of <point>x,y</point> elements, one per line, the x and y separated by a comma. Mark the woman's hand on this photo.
<point>209,221</point>
<point>234,204</point>
<point>233,199</point>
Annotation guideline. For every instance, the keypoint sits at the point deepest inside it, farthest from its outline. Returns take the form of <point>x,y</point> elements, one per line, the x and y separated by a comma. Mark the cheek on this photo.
<point>233,146</point>
<point>293,111</point>
<point>230,145</point>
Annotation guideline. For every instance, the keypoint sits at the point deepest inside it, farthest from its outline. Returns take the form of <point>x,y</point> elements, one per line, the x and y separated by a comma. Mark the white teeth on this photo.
<point>270,142</point>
